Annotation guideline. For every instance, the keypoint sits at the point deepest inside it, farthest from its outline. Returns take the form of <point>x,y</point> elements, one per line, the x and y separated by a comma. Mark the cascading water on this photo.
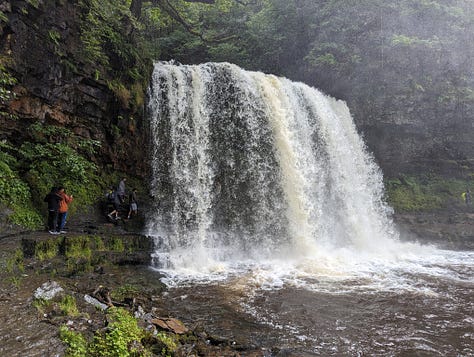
<point>249,166</point>
<point>270,225</point>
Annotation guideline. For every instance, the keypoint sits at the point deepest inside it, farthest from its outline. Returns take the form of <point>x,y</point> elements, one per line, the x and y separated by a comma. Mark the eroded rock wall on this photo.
<point>42,48</point>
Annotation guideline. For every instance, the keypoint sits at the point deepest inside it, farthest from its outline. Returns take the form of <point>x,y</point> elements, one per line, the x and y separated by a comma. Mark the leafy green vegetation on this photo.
<point>114,47</point>
<point>41,305</point>
<point>355,52</point>
<point>117,244</point>
<point>47,249</point>
<point>77,247</point>
<point>425,193</point>
<point>6,82</point>
<point>122,338</point>
<point>77,344</point>
<point>125,291</point>
<point>15,193</point>
<point>68,306</point>
<point>16,262</point>
<point>168,342</point>
<point>54,156</point>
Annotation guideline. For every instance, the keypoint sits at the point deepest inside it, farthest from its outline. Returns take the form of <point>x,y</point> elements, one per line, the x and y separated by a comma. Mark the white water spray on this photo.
<point>251,167</point>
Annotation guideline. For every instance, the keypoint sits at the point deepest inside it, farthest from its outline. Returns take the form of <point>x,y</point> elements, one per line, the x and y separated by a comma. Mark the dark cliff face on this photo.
<point>41,47</point>
<point>421,143</point>
<point>408,134</point>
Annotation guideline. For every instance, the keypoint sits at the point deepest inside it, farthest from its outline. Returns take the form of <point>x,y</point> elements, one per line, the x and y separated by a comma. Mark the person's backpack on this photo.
<point>111,197</point>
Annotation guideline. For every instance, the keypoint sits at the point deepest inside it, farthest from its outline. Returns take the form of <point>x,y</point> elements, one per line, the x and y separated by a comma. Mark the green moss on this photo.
<point>16,262</point>
<point>77,247</point>
<point>125,291</point>
<point>98,243</point>
<point>47,249</point>
<point>116,244</point>
<point>425,193</point>
<point>42,305</point>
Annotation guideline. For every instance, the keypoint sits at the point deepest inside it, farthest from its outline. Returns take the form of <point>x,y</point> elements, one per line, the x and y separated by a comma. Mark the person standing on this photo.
<point>468,198</point>
<point>121,190</point>
<point>63,209</point>
<point>114,197</point>
<point>133,203</point>
<point>53,199</point>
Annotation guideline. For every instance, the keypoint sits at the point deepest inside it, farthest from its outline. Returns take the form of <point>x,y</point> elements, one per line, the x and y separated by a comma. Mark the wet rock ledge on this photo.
<point>89,250</point>
<point>87,294</point>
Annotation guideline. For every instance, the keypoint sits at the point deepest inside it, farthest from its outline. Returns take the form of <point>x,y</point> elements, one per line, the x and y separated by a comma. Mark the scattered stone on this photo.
<point>170,324</point>
<point>48,290</point>
<point>139,313</point>
<point>95,302</point>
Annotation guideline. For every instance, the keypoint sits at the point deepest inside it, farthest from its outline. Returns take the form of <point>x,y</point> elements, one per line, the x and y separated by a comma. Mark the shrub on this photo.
<point>77,344</point>
<point>122,338</point>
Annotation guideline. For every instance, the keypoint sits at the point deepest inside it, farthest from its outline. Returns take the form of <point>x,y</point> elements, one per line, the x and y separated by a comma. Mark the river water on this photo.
<point>414,307</point>
<point>271,227</point>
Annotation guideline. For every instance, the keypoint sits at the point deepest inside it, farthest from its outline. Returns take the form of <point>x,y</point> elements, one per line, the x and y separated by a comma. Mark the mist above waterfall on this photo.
<point>251,166</point>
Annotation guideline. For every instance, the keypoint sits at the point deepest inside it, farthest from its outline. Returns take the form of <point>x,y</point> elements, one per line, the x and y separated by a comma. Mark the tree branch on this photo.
<point>167,6</point>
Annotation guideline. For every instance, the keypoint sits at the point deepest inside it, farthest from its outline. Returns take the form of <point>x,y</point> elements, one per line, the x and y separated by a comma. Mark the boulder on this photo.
<point>48,291</point>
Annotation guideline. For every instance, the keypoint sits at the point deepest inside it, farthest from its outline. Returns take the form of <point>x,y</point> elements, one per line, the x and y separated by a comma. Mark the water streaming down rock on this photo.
<point>252,166</point>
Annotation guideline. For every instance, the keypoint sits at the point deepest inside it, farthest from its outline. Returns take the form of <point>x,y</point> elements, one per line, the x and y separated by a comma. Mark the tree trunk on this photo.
<point>136,8</point>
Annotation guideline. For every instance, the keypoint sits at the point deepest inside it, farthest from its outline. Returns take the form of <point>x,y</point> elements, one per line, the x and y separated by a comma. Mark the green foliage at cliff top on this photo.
<point>353,50</point>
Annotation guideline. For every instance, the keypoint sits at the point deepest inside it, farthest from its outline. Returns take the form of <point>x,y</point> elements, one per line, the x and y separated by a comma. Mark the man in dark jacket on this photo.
<point>53,199</point>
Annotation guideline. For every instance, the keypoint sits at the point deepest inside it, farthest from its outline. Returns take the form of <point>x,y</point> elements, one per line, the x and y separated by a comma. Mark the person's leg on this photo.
<point>62,221</point>
<point>59,219</point>
<point>51,221</point>
<point>56,221</point>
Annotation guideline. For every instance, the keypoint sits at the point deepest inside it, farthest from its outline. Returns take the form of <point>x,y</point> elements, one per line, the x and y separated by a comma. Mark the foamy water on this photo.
<point>260,178</point>
<point>419,302</point>
<point>337,271</point>
<point>269,208</point>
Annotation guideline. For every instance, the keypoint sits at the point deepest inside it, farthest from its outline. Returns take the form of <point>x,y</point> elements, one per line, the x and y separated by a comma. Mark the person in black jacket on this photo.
<point>53,200</point>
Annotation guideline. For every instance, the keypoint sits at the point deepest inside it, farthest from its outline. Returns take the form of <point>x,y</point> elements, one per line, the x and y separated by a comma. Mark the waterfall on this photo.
<point>248,166</point>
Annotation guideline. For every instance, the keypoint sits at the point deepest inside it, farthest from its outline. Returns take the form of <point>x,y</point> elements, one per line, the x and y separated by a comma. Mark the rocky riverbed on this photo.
<point>99,265</point>
<point>43,275</point>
